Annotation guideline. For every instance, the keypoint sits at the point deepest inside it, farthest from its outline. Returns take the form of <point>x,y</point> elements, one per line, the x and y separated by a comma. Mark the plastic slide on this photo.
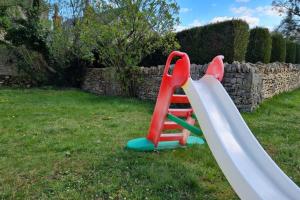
<point>248,168</point>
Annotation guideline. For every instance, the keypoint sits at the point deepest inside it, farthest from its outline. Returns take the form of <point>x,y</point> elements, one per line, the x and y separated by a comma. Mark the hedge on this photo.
<point>290,52</point>
<point>231,39</point>
<point>259,46</point>
<point>227,38</point>
<point>278,53</point>
<point>298,54</point>
<point>154,59</point>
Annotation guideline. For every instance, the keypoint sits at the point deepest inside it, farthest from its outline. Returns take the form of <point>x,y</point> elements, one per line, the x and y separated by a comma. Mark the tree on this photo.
<point>119,33</point>
<point>284,6</point>
<point>290,25</point>
<point>25,36</point>
<point>125,31</point>
<point>28,30</point>
<point>114,33</point>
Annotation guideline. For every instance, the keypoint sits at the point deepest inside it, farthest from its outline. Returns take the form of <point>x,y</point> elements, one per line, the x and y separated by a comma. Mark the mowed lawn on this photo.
<point>67,144</point>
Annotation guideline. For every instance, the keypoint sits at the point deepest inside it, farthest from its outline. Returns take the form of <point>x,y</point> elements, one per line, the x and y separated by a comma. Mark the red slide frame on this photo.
<point>170,82</point>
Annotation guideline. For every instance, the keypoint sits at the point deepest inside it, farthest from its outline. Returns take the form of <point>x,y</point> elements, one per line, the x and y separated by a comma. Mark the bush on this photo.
<point>259,47</point>
<point>31,65</point>
<point>290,52</point>
<point>228,38</point>
<point>278,48</point>
<point>298,54</point>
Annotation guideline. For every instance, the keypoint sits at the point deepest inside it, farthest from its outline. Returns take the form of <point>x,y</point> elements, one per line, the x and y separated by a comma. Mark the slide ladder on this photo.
<point>166,119</point>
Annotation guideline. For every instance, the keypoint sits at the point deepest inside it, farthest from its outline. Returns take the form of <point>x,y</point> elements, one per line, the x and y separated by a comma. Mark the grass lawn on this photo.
<point>67,144</point>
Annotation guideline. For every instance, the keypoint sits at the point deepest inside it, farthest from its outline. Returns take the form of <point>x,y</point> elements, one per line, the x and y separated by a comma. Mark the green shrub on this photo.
<point>259,47</point>
<point>298,54</point>
<point>290,52</point>
<point>228,38</point>
<point>278,48</point>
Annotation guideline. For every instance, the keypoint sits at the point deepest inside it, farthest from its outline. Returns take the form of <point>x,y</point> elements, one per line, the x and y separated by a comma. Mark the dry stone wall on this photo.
<point>278,78</point>
<point>10,77</point>
<point>247,84</point>
<point>102,81</point>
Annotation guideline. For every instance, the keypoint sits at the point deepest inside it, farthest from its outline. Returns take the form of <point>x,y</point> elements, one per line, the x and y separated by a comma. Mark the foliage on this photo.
<point>130,79</point>
<point>123,32</point>
<point>4,19</point>
<point>32,64</point>
<point>290,52</point>
<point>159,56</point>
<point>260,45</point>
<point>60,50</point>
<point>25,34</point>
<point>241,38</point>
<point>59,46</point>
<point>290,28</point>
<point>298,54</point>
<point>28,30</point>
<point>278,48</point>
<point>291,6</point>
<point>188,40</point>
<point>290,25</point>
<point>68,144</point>
<point>64,44</point>
<point>117,33</point>
<point>227,38</point>
<point>154,59</point>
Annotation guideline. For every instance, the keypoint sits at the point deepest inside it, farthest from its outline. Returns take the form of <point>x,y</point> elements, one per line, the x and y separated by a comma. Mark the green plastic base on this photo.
<point>143,144</point>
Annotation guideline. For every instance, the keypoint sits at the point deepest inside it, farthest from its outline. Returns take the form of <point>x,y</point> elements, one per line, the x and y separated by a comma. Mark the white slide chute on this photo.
<point>248,168</point>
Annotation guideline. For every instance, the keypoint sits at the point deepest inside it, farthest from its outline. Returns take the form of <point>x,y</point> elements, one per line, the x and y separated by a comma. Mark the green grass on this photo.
<point>67,144</point>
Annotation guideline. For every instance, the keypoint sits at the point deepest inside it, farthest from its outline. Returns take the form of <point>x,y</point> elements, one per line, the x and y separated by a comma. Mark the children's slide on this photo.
<point>248,168</point>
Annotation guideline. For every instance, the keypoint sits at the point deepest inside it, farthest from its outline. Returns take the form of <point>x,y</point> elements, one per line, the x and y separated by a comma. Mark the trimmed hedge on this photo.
<point>298,54</point>
<point>231,39</point>
<point>290,52</point>
<point>278,53</point>
<point>228,38</point>
<point>259,46</point>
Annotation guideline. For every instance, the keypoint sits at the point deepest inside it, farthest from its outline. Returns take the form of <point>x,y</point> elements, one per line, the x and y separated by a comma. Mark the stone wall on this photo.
<point>247,84</point>
<point>278,78</point>
<point>9,76</point>
<point>102,81</point>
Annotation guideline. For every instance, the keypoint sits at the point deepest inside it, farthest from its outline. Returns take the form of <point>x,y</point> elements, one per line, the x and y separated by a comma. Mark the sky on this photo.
<point>200,12</point>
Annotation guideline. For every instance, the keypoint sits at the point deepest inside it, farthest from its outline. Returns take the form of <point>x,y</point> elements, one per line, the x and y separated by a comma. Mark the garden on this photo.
<point>67,144</point>
<point>81,78</point>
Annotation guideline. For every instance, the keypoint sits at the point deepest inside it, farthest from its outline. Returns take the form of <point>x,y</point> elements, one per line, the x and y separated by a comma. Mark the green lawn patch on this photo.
<point>67,144</point>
